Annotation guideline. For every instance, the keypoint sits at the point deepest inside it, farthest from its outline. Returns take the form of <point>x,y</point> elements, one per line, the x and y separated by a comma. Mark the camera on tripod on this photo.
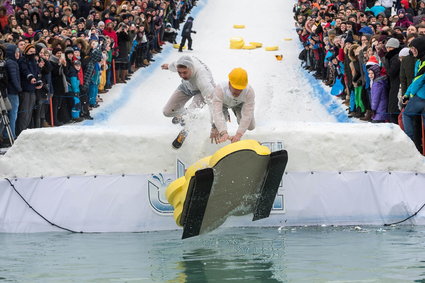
<point>5,106</point>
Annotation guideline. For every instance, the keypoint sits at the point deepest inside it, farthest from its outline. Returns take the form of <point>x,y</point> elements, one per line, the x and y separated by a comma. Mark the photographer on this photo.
<point>29,72</point>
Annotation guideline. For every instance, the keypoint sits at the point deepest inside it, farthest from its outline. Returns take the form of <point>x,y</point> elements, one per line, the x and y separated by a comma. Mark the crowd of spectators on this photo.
<point>372,54</point>
<point>57,56</point>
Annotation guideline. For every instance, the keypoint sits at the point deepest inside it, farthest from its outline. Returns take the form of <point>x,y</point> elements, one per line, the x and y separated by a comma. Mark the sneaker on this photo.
<point>176,120</point>
<point>77,120</point>
<point>87,117</point>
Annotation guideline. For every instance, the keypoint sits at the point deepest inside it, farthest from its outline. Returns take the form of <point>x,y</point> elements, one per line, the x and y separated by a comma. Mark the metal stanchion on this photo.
<point>113,71</point>
<point>423,133</point>
<point>52,123</point>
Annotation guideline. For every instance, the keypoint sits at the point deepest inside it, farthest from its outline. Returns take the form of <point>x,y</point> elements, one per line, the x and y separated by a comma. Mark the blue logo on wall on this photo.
<point>157,184</point>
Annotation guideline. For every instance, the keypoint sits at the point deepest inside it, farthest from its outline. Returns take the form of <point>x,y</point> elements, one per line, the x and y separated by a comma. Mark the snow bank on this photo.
<point>130,135</point>
<point>137,150</point>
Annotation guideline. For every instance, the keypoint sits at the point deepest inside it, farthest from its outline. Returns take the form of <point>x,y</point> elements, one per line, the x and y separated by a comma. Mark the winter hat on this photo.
<point>39,46</point>
<point>366,30</point>
<point>69,50</point>
<point>404,52</point>
<point>77,62</point>
<point>56,50</point>
<point>392,42</point>
<point>382,38</point>
<point>332,32</point>
<point>372,61</point>
<point>419,44</point>
<point>75,48</point>
<point>101,23</point>
<point>401,11</point>
<point>28,47</point>
<point>405,3</point>
<point>107,21</point>
<point>349,39</point>
<point>376,70</point>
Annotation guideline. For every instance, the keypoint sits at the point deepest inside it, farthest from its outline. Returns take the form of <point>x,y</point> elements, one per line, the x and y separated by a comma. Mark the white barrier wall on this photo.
<point>135,203</point>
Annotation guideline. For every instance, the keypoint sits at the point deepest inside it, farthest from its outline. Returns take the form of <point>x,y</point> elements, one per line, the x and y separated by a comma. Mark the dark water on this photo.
<point>301,254</point>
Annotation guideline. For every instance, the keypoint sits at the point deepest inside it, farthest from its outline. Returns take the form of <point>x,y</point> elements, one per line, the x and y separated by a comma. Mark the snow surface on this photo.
<point>130,135</point>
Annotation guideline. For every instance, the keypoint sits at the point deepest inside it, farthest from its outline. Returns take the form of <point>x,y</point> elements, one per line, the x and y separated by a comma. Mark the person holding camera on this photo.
<point>29,73</point>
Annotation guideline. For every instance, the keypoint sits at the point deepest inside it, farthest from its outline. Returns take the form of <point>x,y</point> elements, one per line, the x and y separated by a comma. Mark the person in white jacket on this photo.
<point>387,4</point>
<point>197,83</point>
<point>239,96</point>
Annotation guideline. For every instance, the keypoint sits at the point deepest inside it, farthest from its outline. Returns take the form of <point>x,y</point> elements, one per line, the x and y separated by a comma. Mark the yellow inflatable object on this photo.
<point>272,48</point>
<point>239,26</point>
<point>177,46</point>
<point>256,44</point>
<point>287,39</point>
<point>236,43</point>
<point>177,190</point>
<point>249,47</point>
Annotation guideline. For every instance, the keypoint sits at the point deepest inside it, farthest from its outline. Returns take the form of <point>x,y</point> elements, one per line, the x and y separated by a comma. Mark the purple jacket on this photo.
<point>404,22</point>
<point>379,98</point>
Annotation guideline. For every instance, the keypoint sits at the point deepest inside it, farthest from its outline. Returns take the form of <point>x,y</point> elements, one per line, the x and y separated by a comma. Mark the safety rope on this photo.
<point>411,216</point>
<point>38,213</point>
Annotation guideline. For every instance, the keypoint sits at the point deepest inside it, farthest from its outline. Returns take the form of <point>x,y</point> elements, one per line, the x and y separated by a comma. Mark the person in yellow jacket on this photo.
<point>239,96</point>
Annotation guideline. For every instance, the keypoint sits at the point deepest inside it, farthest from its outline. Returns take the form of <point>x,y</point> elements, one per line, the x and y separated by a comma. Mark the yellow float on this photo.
<point>249,47</point>
<point>238,179</point>
<point>177,46</point>
<point>272,48</point>
<point>256,44</point>
<point>236,43</point>
<point>239,26</point>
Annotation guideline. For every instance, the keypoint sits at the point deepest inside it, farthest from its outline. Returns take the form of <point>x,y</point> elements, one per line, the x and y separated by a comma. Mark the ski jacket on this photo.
<point>392,64</point>
<point>223,98</point>
<point>187,28</point>
<point>379,98</point>
<point>12,67</point>
<point>385,3</point>
<point>28,70</point>
<point>417,87</point>
<point>201,79</point>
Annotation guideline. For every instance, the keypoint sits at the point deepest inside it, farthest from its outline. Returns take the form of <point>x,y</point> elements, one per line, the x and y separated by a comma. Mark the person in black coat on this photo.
<point>392,64</point>
<point>29,73</point>
<point>58,63</point>
<point>186,34</point>
<point>122,59</point>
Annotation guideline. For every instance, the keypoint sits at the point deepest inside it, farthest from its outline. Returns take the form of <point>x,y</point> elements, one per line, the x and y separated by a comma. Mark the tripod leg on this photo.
<point>6,123</point>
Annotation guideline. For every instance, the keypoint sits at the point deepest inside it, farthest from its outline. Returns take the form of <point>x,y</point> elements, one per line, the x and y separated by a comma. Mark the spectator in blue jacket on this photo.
<point>14,87</point>
<point>415,93</point>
